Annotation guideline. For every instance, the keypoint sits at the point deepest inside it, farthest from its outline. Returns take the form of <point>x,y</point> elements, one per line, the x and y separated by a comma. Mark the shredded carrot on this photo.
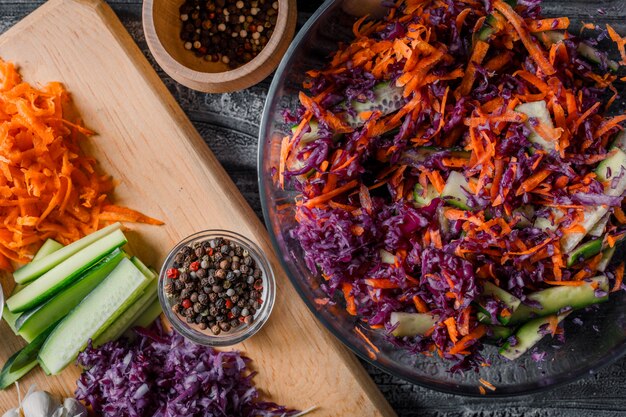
<point>323,198</point>
<point>420,305</point>
<point>466,341</point>
<point>380,283</point>
<point>50,187</point>
<point>452,331</point>
<point>619,277</point>
<point>565,283</point>
<point>487,384</point>
<point>619,41</point>
<point>542,25</point>
<point>520,27</point>
<point>346,288</point>
<point>366,339</point>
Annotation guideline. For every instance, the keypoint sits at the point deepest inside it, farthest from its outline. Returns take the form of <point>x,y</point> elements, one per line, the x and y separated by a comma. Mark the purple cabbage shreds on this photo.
<point>537,355</point>
<point>162,374</point>
<point>577,321</point>
<point>512,340</point>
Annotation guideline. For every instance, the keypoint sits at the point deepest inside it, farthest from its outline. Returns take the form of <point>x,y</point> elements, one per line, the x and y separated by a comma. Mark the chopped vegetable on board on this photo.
<point>49,187</point>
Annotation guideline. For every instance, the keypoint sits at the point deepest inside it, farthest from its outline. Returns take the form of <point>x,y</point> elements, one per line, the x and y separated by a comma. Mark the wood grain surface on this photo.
<point>164,168</point>
<point>228,124</point>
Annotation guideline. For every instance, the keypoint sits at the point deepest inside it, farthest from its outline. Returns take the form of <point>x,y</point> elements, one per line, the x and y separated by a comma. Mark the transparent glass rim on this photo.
<point>523,389</point>
<point>244,331</point>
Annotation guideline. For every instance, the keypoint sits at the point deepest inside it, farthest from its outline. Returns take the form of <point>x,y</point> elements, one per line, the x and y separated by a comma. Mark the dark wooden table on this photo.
<point>229,125</point>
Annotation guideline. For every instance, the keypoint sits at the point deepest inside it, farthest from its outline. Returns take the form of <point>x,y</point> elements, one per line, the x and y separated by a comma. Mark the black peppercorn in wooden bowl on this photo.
<point>217,288</point>
<point>218,46</point>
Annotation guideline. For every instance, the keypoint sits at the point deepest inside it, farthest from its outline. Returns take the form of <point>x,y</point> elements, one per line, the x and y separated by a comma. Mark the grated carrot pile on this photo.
<point>49,188</point>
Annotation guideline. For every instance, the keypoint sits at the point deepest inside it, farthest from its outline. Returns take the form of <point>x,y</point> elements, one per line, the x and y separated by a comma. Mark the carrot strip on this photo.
<point>346,288</point>
<point>619,277</point>
<point>420,305</point>
<point>466,341</point>
<point>452,331</point>
<point>320,199</point>
<point>522,30</point>
<point>383,283</point>
<point>565,283</point>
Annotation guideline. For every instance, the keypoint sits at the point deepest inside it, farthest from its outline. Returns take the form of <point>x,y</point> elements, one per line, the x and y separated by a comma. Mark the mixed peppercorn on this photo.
<point>233,32</point>
<point>216,284</point>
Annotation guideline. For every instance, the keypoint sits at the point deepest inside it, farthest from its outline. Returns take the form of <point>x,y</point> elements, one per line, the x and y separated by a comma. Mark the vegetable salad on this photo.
<point>461,175</point>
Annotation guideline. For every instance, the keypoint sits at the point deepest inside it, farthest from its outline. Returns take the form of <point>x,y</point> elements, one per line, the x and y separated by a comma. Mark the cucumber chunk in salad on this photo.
<point>554,299</point>
<point>528,335</point>
<point>411,324</point>
<point>456,191</point>
<point>509,300</point>
<point>537,110</point>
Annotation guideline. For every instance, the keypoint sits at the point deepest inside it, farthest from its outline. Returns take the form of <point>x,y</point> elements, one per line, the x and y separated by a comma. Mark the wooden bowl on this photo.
<point>162,24</point>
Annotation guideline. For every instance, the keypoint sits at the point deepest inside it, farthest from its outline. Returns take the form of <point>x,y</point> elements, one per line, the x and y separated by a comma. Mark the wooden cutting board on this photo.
<point>165,169</point>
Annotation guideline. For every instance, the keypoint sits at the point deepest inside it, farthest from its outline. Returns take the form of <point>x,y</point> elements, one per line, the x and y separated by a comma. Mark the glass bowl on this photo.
<point>244,331</point>
<point>600,341</point>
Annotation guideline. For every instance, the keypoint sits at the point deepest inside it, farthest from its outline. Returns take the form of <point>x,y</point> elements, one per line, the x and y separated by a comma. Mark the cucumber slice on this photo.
<point>620,140</point>
<point>387,257</point>
<point>598,229</point>
<point>11,318</point>
<point>499,332</point>
<point>607,255</point>
<point>523,215</point>
<point>412,324</point>
<point>150,314</point>
<point>455,190</point>
<point>92,316</point>
<point>8,378</point>
<point>511,302</point>
<point>29,353</point>
<point>585,50</point>
<point>537,110</point>
<point>33,322</point>
<point>128,317</point>
<point>528,336</point>
<point>547,224</point>
<point>48,247</point>
<point>610,168</point>
<point>584,251</point>
<point>556,298</point>
<point>64,273</point>
<point>606,170</point>
<point>387,99</point>
<point>33,270</point>
<point>422,200</point>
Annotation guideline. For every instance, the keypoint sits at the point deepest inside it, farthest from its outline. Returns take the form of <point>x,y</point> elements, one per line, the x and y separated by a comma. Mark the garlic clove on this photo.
<point>74,408</point>
<point>14,412</point>
<point>39,404</point>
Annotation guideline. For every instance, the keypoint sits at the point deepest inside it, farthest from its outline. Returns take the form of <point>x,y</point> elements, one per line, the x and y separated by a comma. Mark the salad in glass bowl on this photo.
<point>459,169</point>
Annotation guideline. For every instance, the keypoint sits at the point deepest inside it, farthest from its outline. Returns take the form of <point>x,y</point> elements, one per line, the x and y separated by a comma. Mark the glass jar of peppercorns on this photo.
<point>217,288</point>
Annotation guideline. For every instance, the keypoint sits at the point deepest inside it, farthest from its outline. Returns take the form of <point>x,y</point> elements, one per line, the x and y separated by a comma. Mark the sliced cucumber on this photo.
<point>33,270</point>
<point>607,255</point>
<point>610,168</point>
<point>584,251</point>
<point>620,140</point>
<point>598,229</point>
<point>584,49</point>
<point>128,317</point>
<point>537,110</point>
<point>528,336</point>
<point>422,200</point>
<point>29,353</point>
<point>523,215</point>
<point>412,324</point>
<point>387,99</point>
<point>510,301</point>
<point>31,323</point>
<point>547,224</point>
<point>606,170</point>
<point>499,332</point>
<point>150,314</point>
<point>64,273</point>
<point>92,316</point>
<point>48,247</point>
<point>556,298</point>
<point>8,378</point>
<point>387,257</point>
<point>11,318</point>
<point>455,190</point>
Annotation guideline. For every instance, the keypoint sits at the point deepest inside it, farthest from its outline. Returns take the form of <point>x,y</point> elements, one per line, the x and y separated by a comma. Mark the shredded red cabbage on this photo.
<point>161,374</point>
